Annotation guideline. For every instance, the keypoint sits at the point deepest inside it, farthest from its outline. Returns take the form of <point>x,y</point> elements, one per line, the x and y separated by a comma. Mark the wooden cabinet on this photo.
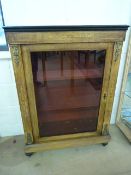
<point>66,77</point>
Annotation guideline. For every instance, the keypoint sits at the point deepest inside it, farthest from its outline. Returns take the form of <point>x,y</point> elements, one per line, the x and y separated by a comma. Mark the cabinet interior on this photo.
<point>67,90</point>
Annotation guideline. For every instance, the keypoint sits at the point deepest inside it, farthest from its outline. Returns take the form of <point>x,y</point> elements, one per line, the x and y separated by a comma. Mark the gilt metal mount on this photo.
<point>105,130</point>
<point>15,54</point>
<point>29,139</point>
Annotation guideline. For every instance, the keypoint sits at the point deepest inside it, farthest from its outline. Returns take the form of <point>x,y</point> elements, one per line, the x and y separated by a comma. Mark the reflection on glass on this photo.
<point>126,106</point>
<point>67,89</point>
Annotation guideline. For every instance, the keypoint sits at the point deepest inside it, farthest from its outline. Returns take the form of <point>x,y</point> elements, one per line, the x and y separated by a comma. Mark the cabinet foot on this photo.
<point>104,144</point>
<point>29,154</point>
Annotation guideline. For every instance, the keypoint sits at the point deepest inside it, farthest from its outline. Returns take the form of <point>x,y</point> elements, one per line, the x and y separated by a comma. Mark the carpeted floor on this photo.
<point>114,159</point>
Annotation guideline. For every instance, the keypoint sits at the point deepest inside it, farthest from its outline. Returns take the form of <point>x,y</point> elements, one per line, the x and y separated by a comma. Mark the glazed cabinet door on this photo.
<point>67,88</point>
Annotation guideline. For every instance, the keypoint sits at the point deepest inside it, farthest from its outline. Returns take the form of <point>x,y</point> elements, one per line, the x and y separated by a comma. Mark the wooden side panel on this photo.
<point>22,93</point>
<point>112,85</point>
<point>64,37</point>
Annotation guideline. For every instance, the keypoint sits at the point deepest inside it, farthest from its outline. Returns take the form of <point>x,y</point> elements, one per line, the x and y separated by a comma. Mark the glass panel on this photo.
<point>67,88</point>
<point>126,106</point>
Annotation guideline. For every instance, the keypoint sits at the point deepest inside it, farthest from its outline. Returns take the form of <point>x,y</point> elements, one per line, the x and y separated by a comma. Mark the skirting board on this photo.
<point>66,143</point>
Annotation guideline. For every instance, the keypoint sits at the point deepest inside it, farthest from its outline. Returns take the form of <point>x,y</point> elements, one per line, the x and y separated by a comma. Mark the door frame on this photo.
<point>26,49</point>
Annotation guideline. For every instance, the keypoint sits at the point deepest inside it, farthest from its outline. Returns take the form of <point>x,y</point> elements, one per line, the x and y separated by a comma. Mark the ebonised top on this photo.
<point>65,28</point>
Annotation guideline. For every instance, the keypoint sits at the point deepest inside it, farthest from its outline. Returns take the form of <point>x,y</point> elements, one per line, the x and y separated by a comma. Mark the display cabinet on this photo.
<point>65,77</point>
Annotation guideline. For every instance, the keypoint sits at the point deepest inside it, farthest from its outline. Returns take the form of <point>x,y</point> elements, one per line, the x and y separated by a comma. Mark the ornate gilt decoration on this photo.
<point>15,54</point>
<point>105,130</point>
<point>29,139</point>
<point>117,50</point>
